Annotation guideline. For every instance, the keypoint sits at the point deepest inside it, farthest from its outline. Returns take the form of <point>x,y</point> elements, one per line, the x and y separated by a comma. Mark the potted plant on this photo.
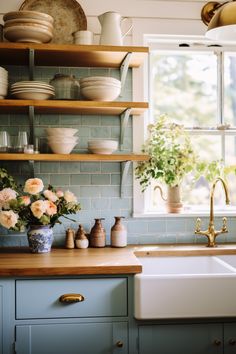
<point>171,158</point>
<point>33,208</point>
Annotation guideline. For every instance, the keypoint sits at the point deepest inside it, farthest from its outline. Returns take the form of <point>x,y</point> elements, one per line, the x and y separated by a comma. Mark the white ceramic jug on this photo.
<point>111,33</point>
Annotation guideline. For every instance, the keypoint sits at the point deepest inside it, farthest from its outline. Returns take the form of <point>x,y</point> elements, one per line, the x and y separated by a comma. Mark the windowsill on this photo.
<point>186,214</point>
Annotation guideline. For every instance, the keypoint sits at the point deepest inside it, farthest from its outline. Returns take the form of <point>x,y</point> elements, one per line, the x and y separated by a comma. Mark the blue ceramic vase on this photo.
<point>40,238</point>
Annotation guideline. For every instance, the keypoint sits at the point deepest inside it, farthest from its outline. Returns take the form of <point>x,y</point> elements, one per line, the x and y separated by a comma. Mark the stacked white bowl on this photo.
<point>100,88</point>
<point>32,90</point>
<point>61,140</point>
<point>104,147</point>
<point>28,26</point>
<point>3,82</point>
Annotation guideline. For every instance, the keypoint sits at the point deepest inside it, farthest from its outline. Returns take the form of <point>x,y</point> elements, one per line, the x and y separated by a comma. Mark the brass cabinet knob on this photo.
<point>217,342</point>
<point>232,341</point>
<point>71,298</point>
<point>119,344</point>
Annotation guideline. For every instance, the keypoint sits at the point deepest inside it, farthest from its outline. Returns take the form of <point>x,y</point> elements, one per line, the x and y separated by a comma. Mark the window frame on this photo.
<point>140,199</point>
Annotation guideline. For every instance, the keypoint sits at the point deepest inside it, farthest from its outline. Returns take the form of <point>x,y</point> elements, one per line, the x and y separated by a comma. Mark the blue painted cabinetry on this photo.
<point>200,338</point>
<point>6,316</point>
<point>96,325</point>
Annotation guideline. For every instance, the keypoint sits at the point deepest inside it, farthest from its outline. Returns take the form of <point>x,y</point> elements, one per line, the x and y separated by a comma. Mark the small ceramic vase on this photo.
<point>81,240</point>
<point>97,234</point>
<point>70,237</point>
<point>118,233</point>
<point>40,238</point>
<point>66,87</point>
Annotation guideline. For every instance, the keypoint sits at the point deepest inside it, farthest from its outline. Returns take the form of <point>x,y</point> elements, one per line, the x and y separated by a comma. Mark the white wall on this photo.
<point>149,16</point>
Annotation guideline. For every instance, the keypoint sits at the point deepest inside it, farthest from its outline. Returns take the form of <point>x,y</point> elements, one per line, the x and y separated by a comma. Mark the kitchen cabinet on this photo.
<point>197,338</point>
<point>94,320</point>
<point>6,316</point>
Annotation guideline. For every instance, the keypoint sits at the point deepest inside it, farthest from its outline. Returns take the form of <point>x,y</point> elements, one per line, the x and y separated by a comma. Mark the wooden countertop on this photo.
<point>94,261</point>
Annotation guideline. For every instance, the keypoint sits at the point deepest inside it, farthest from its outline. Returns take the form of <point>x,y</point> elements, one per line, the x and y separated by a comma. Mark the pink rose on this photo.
<point>6,195</point>
<point>33,186</point>
<point>59,193</point>
<point>51,208</point>
<point>50,195</point>
<point>70,197</point>
<point>38,208</point>
<point>25,200</point>
<point>8,219</point>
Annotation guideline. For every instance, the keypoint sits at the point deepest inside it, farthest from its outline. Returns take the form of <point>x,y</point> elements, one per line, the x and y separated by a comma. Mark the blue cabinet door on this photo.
<point>181,339</point>
<point>73,338</point>
<point>7,309</point>
<point>230,338</point>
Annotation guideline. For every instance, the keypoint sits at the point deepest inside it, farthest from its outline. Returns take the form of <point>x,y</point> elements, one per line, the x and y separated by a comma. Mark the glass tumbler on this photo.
<point>22,141</point>
<point>4,141</point>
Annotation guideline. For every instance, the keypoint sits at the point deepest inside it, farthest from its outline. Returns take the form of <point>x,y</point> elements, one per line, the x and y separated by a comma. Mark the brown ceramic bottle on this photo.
<point>97,234</point>
<point>118,233</point>
<point>81,240</point>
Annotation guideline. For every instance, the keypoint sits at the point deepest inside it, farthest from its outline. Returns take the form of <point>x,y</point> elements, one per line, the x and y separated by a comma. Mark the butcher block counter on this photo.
<point>61,261</point>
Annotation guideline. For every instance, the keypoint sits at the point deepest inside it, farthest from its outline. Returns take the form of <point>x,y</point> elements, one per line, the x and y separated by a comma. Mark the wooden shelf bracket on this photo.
<point>124,119</point>
<point>124,70</point>
<point>31,64</point>
<point>124,173</point>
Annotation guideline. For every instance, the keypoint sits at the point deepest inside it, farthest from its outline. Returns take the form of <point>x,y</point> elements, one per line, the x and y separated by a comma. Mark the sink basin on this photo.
<point>185,287</point>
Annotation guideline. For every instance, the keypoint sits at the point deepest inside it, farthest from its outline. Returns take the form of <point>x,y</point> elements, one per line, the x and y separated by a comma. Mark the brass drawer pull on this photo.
<point>232,341</point>
<point>217,342</point>
<point>71,298</point>
<point>119,344</point>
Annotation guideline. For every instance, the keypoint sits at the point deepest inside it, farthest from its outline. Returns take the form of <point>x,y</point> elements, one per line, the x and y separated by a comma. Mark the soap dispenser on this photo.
<point>118,233</point>
<point>97,234</point>
<point>81,240</point>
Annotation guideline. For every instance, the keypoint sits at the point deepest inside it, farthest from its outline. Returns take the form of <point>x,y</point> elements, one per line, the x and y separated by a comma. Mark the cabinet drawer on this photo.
<point>40,298</point>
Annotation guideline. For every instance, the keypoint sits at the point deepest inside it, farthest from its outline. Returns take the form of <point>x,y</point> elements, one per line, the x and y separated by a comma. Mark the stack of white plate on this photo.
<point>104,147</point>
<point>28,26</point>
<point>3,82</point>
<point>62,140</point>
<point>100,88</point>
<point>32,90</point>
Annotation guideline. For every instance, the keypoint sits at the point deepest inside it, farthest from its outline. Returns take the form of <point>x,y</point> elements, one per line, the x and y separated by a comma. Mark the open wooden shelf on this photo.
<point>71,55</point>
<point>73,157</point>
<point>71,107</point>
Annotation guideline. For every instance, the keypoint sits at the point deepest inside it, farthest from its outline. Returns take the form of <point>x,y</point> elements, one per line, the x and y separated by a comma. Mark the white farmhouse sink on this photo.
<point>185,287</point>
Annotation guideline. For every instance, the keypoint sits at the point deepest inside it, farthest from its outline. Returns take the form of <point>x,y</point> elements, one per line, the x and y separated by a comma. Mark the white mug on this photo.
<point>83,37</point>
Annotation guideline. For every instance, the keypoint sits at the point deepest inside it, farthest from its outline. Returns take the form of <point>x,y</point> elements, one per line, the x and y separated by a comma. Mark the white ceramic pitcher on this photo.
<point>111,33</point>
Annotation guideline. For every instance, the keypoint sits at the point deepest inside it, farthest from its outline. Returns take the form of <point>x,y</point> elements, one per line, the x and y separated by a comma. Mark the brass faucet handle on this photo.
<point>198,225</point>
<point>224,226</point>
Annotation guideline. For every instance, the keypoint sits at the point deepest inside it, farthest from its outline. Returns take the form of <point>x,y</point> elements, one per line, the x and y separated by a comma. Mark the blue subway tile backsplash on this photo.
<point>96,184</point>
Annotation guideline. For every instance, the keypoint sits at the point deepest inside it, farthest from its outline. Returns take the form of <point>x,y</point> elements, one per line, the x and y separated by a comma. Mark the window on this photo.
<point>194,83</point>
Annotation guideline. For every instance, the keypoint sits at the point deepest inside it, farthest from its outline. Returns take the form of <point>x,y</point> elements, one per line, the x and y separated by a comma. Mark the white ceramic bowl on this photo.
<point>28,34</point>
<point>31,95</point>
<point>98,83</point>
<point>29,15</point>
<point>61,148</point>
<point>20,21</point>
<point>100,78</point>
<point>62,140</point>
<point>103,143</point>
<point>66,132</point>
<point>104,147</point>
<point>100,93</point>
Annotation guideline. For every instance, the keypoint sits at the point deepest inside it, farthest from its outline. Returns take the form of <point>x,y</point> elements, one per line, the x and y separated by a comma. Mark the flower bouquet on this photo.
<point>33,208</point>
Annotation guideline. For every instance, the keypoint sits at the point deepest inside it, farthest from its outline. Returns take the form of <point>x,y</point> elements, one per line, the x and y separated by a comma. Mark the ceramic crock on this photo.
<point>40,238</point>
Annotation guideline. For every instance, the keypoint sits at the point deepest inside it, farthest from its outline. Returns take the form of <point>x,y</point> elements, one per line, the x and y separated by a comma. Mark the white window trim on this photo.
<point>140,93</point>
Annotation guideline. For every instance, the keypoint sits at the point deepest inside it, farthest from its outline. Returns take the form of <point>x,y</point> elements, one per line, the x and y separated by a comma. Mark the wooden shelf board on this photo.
<point>71,55</point>
<point>72,157</point>
<point>71,107</point>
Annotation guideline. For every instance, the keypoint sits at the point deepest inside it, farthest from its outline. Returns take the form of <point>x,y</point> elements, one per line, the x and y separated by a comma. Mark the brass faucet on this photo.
<point>211,233</point>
